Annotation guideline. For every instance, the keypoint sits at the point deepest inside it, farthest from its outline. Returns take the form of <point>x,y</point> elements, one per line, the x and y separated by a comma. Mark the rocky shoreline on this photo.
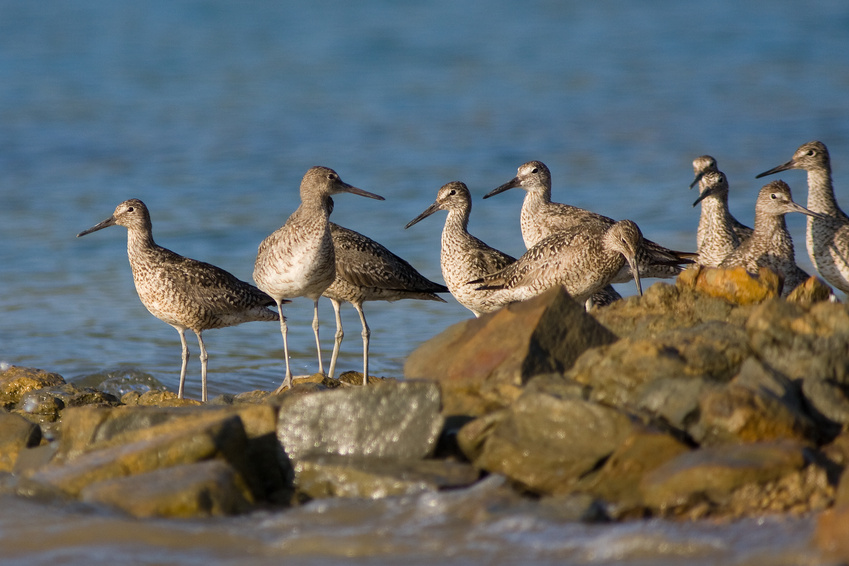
<point>706,398</point>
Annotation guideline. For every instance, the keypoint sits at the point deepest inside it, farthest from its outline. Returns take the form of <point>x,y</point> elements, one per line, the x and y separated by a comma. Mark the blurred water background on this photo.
<point>211,112</point>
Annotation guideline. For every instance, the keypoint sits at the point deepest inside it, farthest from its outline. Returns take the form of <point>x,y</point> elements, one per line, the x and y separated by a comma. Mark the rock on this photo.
<point>813,290</point>
<point>829,399</point>
<point>208,488</point>
<point>391,420</point>
<point>16,435</point>
<point>664,307</point>
<point>832,532</point>
<point>482,363</point>
<point>712,350</point>
<point>374,478</point>
<point>734,285</point>
<point>157,398</point>
<point>713,473</point>
<point>16,381</point>
<point>45,405</point>
<point>674,401</point>
<point>618,480</point>
<point>165,445</point>
<point>759,404</point>
<point>547,443</point>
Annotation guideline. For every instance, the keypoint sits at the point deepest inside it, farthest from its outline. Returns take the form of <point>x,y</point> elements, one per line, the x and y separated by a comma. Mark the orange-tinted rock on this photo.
<point>735,285</point>
<point>17,381</point>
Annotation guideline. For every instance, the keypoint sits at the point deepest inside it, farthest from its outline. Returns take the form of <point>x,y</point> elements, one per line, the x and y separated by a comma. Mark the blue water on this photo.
<point>212,111</point>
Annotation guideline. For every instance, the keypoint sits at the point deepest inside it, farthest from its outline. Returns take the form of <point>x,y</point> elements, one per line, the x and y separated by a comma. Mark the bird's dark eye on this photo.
<point>453,192</point>
<point>535,170</point>
<point>130,209</point>
<point>773,196</point>
<point>811,152</point>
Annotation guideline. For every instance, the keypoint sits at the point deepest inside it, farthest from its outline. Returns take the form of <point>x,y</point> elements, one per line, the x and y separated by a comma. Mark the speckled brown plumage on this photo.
<point>827,236</point>
<point>183,292</point>
<point>576,259</point>
<point>368,271</point>
<point>297,260</point>
<point>771,244</point>
<point>464,257</point>
<point>541,218</point>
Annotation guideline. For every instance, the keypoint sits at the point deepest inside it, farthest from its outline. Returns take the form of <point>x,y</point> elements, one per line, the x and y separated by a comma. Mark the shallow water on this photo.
<point>211,112</point>
<point>462,527</point>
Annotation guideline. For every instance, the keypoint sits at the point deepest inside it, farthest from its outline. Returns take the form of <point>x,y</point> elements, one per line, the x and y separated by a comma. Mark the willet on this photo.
<point>702,165</point>
<point>183,292</point>
<point>719,233</point>
<point>464,257</point>
<point>715,237</point>
<point>576,259</point>
<point>367,271</point>
<point>827,236</point>
<point>541,218</point>
<point>771,244</point>
<point>297,260</point>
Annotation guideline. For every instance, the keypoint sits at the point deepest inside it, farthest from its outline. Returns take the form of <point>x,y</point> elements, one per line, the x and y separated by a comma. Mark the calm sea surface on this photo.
<point>212,111</point>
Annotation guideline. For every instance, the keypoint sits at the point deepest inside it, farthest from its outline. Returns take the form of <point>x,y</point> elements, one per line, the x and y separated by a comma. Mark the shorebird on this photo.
<point>827,235</point>
<point>719,232</point>
<point>541,218</point>
<point>297,260</point>
<point>183,292</point>
<point>367,271</point>
<point>771,244</point>
<point>464,257</point>
<point>576,259</point>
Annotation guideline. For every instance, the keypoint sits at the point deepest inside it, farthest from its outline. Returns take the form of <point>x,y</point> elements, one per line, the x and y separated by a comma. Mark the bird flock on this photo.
<point>580,250</point>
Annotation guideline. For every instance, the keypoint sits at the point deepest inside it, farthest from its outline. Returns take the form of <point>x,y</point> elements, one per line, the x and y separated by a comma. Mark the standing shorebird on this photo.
<point>184,292</point>
<point>719,233</point>
<point>771,244</point>
<point>576,259</point>
<point>541,218</point>
<point>827,235</point>
<point>297,260</point>
<point>367,271</point>
<point>464,257</point>
<point>716,237</point>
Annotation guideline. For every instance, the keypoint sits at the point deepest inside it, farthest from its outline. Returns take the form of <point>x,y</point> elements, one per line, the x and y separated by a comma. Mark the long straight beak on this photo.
<point>428,211</point>
<point>105,224</point>
<point>514,182</point>
<point>346,188</point>
<point>703,196</point>
<point>697,179</point>
<point>789,165</point>
<point>635,271</point>
<point>794,207</point>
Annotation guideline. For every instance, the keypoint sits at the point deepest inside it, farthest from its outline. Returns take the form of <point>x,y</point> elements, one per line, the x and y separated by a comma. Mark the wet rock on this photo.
<point>188,441</point>
<point>673,401</point>
<point>573,507</point>
<point>546,443</point>
<point>391,420</point>
<point>16,435</point>
<point>712,474</point>
<point>45,405</point>
<point>482,363</point>
<point>374,478</point>
<point>734,285</point>
<point>209,488</point>
<point>16,381</point>
<point>712,350</point>
<point>618,480</point>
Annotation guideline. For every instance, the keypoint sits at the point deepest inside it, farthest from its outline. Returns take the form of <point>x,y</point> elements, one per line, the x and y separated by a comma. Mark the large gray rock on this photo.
<point>399,420</point>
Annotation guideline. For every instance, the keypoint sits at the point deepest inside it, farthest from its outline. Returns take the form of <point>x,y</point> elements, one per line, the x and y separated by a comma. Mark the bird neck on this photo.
<point>771,226</point>
<point>820,192</point>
